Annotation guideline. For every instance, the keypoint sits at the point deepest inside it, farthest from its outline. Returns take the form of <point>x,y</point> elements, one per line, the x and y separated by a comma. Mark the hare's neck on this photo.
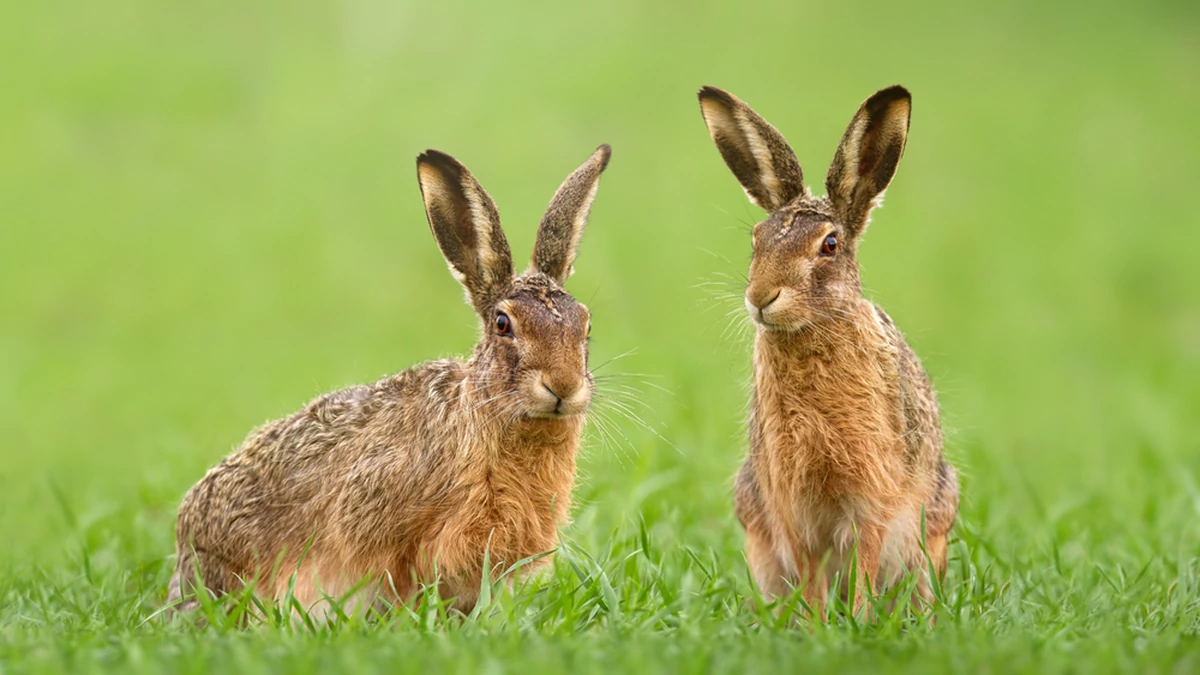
<point>807,357</point>
<point>836,370</point>
<point>523,467</point>
<point>492,415</point>
<point>825,340</point>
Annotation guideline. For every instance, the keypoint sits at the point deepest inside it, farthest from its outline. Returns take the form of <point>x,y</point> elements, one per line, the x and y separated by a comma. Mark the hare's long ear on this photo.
<point>868,155</point>
<point>466,225</point>
<point>561,228</point>
<point>755,151</point>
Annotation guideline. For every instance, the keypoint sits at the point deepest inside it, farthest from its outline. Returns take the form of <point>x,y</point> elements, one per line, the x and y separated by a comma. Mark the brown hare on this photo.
<point>414,477</point>
<point>845,441</point>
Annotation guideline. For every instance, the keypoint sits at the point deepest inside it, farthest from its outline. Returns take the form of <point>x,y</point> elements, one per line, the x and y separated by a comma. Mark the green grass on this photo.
<point>209,214</point>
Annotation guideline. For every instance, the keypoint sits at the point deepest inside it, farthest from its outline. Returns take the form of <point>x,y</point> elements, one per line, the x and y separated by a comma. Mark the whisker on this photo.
<point>647,383</point>
<point>606,376</point>
<point>618,357</point>
<point>746,226</point>
<point>726,261</point>
<point>604,422</point>
<point>632,416</point>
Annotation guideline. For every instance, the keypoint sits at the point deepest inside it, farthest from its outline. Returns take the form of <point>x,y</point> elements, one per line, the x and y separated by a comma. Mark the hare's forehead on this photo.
<point>792,226</point>
<point>543,301</point>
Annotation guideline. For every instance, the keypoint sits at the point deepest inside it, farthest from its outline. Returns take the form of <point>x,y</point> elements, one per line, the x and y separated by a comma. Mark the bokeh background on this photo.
<point>209,215</point>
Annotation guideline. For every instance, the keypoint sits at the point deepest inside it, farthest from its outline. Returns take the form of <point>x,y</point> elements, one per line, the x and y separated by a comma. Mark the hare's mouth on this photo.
<point>559,409</point>
<point>782,313</point>
<point>550,398</point>
<point>773,313</point>
<point>545,404</point>
<point>553,415</point>
<point>562,411</point>
<point>770,318</point>
<point>781,322</point>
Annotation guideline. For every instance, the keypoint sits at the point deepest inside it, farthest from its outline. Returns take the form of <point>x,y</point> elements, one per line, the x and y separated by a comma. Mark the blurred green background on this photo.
<point>209,215</point>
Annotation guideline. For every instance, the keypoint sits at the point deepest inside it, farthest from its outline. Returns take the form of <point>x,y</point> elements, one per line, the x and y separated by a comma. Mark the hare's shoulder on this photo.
<point>911,370</point>
<point>923,431</point>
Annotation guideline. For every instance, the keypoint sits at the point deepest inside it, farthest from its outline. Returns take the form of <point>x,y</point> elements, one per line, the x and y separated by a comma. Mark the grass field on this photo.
<point>209,215</point>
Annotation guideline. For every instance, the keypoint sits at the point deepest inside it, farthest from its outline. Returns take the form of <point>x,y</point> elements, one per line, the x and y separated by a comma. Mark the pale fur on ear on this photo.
<point>562,225</point>
<point>757,154</point>
<point>466,225</point>
<point>868,155</point>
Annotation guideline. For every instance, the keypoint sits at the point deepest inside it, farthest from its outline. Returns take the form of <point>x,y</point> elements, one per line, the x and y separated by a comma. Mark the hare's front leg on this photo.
<point>176,593</point>
<point>814,584</point>
<point>762,551</point>
<point>768,572</point>
<point>868,547</point>
<point>199,572</point>
<point>934,556</point>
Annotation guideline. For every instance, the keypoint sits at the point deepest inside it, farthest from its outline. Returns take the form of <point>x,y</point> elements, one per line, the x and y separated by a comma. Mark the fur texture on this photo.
<point>845,438</point>
<point>412,478</point>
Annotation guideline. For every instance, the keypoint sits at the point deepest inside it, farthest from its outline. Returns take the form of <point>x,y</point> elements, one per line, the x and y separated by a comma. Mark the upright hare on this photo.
<point>414,477</point>
<point>845,440</point>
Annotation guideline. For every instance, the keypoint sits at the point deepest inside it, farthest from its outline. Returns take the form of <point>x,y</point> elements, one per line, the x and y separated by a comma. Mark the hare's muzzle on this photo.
<point>561,394</point>
<point>759,299</point>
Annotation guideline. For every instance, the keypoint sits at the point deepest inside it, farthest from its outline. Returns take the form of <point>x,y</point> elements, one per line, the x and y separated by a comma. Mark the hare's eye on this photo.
<point>503,324</point>
<point>829,246</point>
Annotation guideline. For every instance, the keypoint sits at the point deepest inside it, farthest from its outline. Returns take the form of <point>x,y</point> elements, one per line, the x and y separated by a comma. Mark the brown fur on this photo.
<point>845,437</point>
<point>412,478</point>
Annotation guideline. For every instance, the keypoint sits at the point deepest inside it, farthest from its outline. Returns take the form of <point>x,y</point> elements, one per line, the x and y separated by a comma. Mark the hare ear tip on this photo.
<point>604,150</point>
<point>710,92</point>
<point>896,92</point>
<point>437,158</point>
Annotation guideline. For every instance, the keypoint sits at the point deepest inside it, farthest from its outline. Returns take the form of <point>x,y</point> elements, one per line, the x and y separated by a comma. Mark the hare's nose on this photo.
<point>761,298</point>
<point>561,388</point>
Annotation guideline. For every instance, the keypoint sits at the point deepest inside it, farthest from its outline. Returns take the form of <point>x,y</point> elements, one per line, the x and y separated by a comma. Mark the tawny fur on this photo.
<point>845,439</point>
<point>380,488</point>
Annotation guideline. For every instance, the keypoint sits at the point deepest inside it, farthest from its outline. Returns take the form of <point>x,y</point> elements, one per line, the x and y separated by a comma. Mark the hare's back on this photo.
<point>280,468</point>
<point>304,456</point>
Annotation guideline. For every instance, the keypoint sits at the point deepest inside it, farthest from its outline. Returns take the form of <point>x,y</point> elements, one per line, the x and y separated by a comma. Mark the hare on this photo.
<point>845,453</point>
<point>411,479</point>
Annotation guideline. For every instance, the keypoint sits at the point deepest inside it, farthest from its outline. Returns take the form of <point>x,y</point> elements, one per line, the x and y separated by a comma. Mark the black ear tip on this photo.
<point>709,92</point>
<point>882,101</point>
<point>439,160</point>
<point>434,156</point>
<point>605,153</point>
<point>893,93</point>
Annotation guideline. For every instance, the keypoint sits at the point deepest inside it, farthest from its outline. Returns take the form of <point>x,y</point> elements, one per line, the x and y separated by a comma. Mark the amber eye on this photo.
<point>503,324</point>
<point>829,246</point>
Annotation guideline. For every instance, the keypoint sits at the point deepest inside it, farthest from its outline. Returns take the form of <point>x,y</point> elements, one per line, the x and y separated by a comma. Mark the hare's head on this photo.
<point>534,346</point>
<point>805,268</point>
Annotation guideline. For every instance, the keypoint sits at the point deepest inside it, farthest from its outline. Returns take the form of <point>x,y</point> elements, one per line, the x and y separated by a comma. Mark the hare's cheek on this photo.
<point>510,353</point>
<point>828,277</point>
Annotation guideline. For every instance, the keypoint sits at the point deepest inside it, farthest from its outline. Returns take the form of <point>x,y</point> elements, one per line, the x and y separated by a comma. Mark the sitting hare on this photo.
<point>845,441</point>
<point>411,479</point>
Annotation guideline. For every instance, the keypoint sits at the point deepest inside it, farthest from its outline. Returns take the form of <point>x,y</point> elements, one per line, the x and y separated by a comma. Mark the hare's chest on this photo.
<point>832,448</point>
<point>500,515</point>
<point>829,426</point>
